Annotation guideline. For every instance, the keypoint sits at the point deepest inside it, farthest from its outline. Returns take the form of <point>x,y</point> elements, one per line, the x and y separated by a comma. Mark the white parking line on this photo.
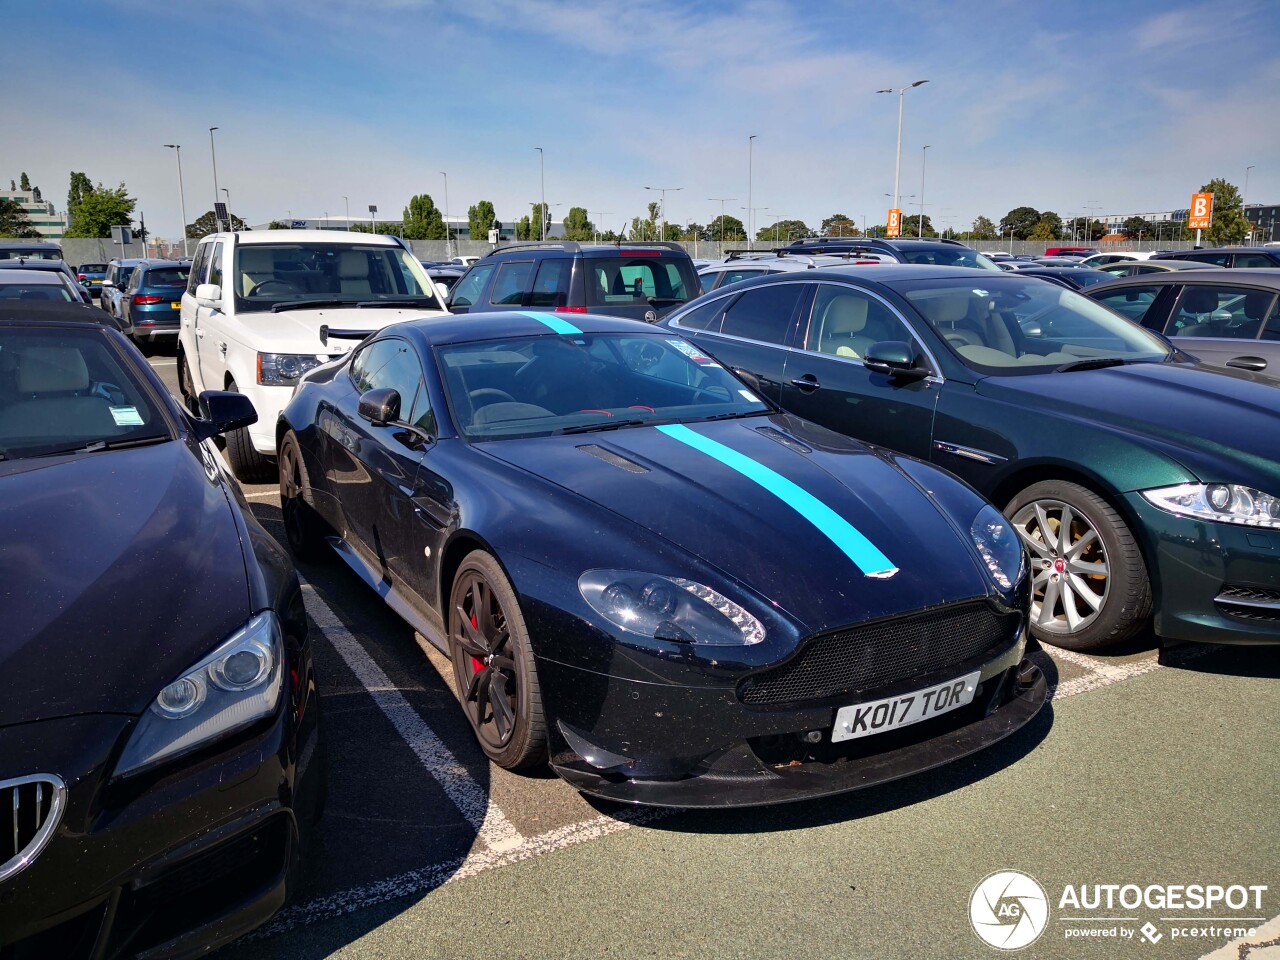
<point>1103,674</point>
<point>491,824</point>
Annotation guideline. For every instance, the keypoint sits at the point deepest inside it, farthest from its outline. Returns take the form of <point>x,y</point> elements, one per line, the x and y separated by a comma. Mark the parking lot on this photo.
<point>1146,768</point>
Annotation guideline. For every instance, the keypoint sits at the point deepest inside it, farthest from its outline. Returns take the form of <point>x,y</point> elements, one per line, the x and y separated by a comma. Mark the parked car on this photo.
<point>1226,319</point>
<point>91,276</point>
<point>1074,251</point>
<point>464,261</point>
<point>111,293</point>
<point>444,275</point>
<point>645,573</point>
<point>32,310</point>
<point>49,267</point>
<point>949,253</point>
<point>151,304</point>
<point>1110,451</point>
<point>261,308</point>
<point>1140,268</point>
<point>1234,257</point>
<point>1062,261</point>
<point>159,728</point>
<point>29,250</point>
<point>740,265</point>
<point>643,281</point>
<point>1073,278</point>
<point>37,285</point>
<point>1098,260</point>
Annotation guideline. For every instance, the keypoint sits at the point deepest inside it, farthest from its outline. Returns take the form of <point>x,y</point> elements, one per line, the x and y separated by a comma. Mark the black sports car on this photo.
<point>645,572</point>
<point>158,713</point>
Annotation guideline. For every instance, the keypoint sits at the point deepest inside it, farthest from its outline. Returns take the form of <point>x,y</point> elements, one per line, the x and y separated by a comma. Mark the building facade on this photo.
<point>45,219</point>
<point>1265,222</point>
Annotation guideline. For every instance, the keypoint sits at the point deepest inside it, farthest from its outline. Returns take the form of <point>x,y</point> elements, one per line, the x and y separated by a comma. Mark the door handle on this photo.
<point>807,384</point>
<point>1248,363</point>
<point>200,332</point>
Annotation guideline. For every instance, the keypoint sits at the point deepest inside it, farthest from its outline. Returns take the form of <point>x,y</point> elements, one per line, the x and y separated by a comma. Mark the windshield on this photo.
<point>948,256</point>
<point>70,390</point>
<point>1012,324</point>
<point>538,386</point>
<point>267,274</point>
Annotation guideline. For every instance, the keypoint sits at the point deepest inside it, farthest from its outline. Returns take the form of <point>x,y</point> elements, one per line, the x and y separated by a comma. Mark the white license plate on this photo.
<point>891,713</point>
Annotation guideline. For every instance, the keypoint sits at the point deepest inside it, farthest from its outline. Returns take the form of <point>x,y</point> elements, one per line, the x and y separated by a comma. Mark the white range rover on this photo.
<point>261,309</point>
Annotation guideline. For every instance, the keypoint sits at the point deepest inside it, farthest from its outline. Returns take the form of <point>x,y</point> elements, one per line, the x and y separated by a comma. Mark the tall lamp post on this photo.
<point>723,201</point>
<point>663,191</point>
<point>542,180</point>
<point>601,214</point>
<point>751,218</point>
<point>182,196</point>
<point>751,142</point>
<point>214,155</point>
<point>1244,198</point>
<point>448,234</point>
<point>924,156</point>
<point>897,167</point>
<point>346,206</point>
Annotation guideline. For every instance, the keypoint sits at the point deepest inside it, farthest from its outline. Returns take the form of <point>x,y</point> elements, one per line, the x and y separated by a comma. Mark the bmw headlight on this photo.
<point>998,545</point>
<point>284,369</point>
<point>237,684</point>
<point>1223,502</point>
<point>668,608</point>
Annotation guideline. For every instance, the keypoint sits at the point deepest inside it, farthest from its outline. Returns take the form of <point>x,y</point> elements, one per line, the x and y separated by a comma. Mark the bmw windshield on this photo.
<point>540,386</point>
<point>274,276</point>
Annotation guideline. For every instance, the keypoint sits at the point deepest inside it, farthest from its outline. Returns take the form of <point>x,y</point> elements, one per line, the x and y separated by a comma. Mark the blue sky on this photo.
<point>1112,106</point>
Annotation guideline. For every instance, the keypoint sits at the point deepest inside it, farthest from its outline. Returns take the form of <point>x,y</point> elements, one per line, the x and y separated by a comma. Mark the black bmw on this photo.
<point>645,573</point>
<point>158,712</point>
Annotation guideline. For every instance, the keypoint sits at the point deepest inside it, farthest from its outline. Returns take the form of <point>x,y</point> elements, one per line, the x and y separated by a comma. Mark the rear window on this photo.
<point>658,280</point>
<point>35,290</point>
<point>93,268</point>
<point>167,277</point>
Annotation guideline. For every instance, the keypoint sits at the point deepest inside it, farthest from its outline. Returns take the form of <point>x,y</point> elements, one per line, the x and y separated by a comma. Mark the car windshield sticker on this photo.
<point>865,555</point>
<point>562,327</point>
<point>748,396</point>
<point>126,416</point>
<point>980,293</point>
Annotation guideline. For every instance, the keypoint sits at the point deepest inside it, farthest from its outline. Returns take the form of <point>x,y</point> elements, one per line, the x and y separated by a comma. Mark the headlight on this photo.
<point>668,608</point>
<point>238,683</point>
<point>999,546</point>
<point>284,369</point>
<point>1223,502</point>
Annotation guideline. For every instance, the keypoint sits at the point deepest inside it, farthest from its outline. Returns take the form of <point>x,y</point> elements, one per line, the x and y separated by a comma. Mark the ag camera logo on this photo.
<point>1009,910</point>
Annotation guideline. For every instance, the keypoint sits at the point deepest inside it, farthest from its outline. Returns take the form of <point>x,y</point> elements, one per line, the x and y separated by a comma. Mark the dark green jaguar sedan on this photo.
<point>1141,481</point>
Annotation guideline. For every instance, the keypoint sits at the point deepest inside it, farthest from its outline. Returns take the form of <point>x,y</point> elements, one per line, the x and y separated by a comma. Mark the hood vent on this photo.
<point>613,459</point>
<point>790,442</point>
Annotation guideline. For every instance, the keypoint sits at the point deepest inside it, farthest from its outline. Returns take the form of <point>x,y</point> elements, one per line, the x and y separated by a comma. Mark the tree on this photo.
<point>422,220</point>
<point>81,187</point>
<point>642,229</point>
<point>727,229</point>
<point>983,229</point>
<point>1021,220</point>
<point>1135,228</point>
<point>12,186</point>
<point>207,223</point>
<point>1042,231</point>
<point>911,226</point>
<point>577,226</point>
<point>525,229</point>
<point>386,229</point>
<point>1085,229</point>
<point>100,210</point>
<point>838,225</point>
<point>25,182</point>
<point>694,231</point>
<point>14,221</point>
<point>279,225</point>
<point>783,231</point>
<point>1051,222</point>
<point>480,217</point>
<point>1229,224</point>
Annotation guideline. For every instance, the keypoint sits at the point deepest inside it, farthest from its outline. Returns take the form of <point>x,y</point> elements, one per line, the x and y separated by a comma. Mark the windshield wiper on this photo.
<point>606,425</point>
<point>734,416</point>
<point>410,302</point>
<point>307,304</point>
<point>98,445</point>
<point>1094,363</point>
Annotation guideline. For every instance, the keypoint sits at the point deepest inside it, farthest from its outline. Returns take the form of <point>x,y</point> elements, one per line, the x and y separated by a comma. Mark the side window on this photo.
<point>733,276</point>
<point>215,264</point>
<point>198,268</point>
<point>551,285</point>
<point>764,313</point>
<point>511,283</point>
<point>705,317</point>
<point>467,291</point>
<point>1235,312</point>
<point>1253,260</point>
<point>389,363</point>
<point>1130,302</point>
<point>1218,259</point>
<point>422,415</point>
<point>845,322</point>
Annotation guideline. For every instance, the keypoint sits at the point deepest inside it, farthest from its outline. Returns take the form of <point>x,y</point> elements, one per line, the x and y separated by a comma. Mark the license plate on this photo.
<point>891,713</point>
<point>176,305</point>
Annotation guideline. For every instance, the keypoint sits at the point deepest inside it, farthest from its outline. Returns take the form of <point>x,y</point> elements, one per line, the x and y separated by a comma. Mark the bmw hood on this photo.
<point>118,570</point>
<point>822,526</point>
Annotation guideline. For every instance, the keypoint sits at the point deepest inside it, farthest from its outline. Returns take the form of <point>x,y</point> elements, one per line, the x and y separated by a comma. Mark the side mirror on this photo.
<point>107,284</point>
<point>208,294</point>
<point>380,407</point>
<point>221,412</point>
<point>894,358</point>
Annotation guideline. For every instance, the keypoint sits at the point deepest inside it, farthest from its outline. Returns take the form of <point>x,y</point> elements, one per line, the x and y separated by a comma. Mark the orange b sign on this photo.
<point>894,223</point>
<point>1201,211</point>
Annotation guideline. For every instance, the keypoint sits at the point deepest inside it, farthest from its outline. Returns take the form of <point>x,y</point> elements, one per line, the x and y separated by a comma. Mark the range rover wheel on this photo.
<point>248,465</point>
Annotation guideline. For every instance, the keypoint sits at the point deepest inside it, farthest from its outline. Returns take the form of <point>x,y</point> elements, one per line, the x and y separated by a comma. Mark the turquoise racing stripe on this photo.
<point>836,528</point>
<point>562,327</point>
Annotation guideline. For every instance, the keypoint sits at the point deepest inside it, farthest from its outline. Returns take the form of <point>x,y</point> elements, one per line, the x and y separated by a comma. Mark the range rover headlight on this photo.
<point>1221,502</point>
<point>237,684</point>
<point>285,369</point>
<point>668,608</point>
<point>998,545</point>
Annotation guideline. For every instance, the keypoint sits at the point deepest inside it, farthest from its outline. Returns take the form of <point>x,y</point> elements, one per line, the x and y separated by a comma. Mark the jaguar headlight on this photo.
<point>285,369</point>
<point>998,545</point>
<point>668,608</point>
<point>1221,502</point>
<point>237,684</point>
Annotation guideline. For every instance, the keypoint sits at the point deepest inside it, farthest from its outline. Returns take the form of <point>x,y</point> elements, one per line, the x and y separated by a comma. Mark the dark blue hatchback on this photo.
<point>152,302</point>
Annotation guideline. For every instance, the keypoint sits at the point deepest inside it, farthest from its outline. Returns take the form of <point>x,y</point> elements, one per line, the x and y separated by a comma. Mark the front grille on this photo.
<point>878,654</point>
<point>29,812</point>
<point>1249,603</point>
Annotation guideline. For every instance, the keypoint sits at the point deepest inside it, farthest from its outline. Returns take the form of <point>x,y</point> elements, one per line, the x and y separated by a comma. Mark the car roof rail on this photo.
<point>569,246</point>
<point>874,243</point>
<point>750,254</point>
<point>664,244</point>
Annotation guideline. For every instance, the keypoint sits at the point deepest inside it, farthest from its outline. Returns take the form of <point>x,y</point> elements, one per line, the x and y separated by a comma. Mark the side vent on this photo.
<point>785,440</point>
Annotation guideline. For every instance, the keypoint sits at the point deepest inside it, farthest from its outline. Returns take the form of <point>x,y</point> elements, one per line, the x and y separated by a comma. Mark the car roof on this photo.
<point>19,275</point>
<point>571,248</point>
<point>127,261</point>
<point>32,263</point>
<point>469,327</point>
<point>253,237</point>
<point>19,313</point>
<point>160,263</point>
<point>1220,276</point>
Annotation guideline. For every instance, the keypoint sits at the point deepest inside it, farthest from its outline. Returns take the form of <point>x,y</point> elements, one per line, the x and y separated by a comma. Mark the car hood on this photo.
<point>684,496</point>
<point>298,331</point>
<point>1207,412</point>
<point>118,570</point>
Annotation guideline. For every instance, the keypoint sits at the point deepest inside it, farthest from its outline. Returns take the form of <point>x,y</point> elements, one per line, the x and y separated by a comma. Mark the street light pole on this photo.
<point>448,238</point>
<point>897,167</point>
<point>346,205</point>
<point>722,200</point>
<point>214,154</point>
<point>751,142</point>
<point>182,196</point>
<point>1244,199</point>
<point>542,178</point>
<point>663,191</point>
<point>601,214</point>
<point>924,156</point>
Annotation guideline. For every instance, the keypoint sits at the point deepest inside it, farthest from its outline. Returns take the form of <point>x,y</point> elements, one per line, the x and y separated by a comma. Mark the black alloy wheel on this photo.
<point>493,665</point>
<point>303,527</point>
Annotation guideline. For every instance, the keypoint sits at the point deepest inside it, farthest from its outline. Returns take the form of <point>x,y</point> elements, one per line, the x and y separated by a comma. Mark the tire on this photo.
<point>304,529</point>
<point>485,622</point>
<point>1093,591</point>
<point>187,386</point>
<point>248,465</point>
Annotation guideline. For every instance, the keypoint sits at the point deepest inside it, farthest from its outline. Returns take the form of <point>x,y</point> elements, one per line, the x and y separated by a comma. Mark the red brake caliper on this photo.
<point>476,665</point>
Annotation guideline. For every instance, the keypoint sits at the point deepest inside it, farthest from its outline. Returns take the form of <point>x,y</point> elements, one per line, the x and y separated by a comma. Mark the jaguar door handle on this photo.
<point>807,384</point>
<point>1248,363</point>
